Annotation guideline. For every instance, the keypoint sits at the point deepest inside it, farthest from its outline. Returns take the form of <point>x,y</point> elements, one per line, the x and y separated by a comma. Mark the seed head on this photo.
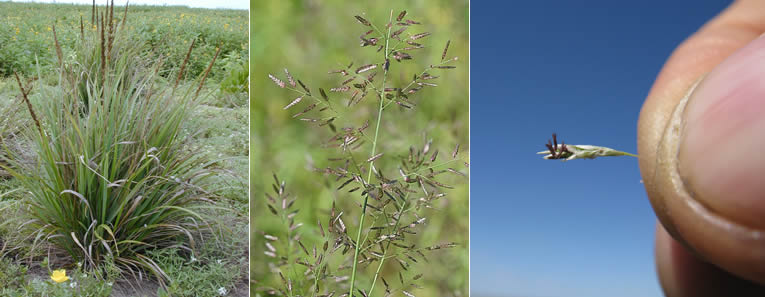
<point>568,152</point>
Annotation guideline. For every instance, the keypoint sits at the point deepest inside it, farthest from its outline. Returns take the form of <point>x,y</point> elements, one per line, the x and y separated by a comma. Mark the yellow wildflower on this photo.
<point>59,276</point>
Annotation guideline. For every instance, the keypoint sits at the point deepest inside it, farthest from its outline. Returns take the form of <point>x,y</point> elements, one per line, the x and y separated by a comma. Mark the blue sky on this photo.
<point>543,228</point>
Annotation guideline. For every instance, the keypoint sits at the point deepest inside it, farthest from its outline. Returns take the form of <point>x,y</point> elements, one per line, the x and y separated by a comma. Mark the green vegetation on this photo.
<point>123,158</point>
<point>310,41</point>
<point>17,283</point>
<point>27,36</point>
<point>209,277</point>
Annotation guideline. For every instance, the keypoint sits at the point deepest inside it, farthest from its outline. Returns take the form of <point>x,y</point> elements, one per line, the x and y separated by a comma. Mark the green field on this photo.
<point>215,130</point>
<point>310,39</point>
<point>26,34</point>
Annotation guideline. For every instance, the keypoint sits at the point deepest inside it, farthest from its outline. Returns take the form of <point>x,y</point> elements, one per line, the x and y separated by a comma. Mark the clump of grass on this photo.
<point>95,55</point>
<point>401,182</point>
<point>113,178</point>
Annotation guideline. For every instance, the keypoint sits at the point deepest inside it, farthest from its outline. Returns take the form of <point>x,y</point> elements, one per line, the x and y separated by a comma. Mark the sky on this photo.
<point>232,4</point>
<point>546,228</point>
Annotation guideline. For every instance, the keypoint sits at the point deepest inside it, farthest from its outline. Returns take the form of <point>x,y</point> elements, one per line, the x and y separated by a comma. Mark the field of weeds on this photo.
<point>124,151</point>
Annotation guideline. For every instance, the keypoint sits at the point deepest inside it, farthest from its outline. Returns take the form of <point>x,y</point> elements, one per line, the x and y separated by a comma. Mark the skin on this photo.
<point>710,240</point>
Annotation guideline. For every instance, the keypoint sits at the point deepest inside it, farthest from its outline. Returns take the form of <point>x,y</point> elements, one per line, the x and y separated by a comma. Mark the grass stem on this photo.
<point>371,164</point>
<point>387,247</point>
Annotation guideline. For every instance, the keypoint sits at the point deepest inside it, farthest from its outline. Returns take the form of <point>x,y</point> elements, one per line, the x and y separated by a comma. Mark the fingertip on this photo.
<point>719,156</point>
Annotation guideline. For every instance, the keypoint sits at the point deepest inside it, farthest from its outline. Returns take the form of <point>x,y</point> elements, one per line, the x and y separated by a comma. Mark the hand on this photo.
<point>703,160</point>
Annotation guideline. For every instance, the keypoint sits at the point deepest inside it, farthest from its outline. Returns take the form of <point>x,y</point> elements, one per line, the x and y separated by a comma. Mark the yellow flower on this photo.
<point>59,276</point>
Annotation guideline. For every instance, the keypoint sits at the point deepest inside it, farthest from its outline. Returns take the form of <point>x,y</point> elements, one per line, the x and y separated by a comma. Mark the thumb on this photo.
<point>722,143</point>
<point>699,150</point>
<point>717,140</point>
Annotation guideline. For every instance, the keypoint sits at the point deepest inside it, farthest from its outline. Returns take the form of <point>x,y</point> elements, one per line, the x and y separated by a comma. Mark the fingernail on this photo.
<point>722,149</point>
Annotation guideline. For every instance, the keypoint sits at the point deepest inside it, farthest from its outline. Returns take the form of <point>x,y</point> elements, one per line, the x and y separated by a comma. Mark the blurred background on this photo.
<point>237,4</point>
<point>312,37</point>
<point>544,228</point>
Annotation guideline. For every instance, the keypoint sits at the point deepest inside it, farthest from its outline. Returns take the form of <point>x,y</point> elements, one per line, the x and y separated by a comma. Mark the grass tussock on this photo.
<point>113,177</point>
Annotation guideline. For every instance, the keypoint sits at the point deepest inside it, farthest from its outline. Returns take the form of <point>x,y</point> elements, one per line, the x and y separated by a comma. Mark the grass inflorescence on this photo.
<point>569,152</point>
<point>357,248</point>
